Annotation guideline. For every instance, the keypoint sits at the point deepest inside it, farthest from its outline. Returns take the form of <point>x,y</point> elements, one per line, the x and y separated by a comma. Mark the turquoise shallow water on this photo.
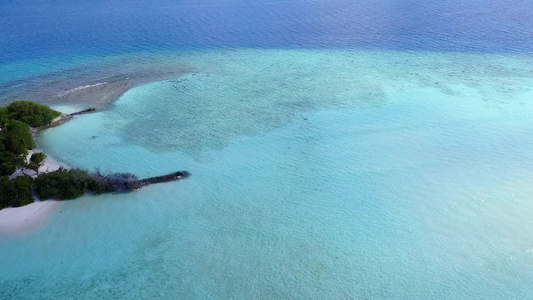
<point>315,174</point>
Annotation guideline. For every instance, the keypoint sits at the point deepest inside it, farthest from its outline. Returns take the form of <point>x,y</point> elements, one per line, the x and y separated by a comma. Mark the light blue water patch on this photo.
<point>315,174</point>
<point>247,92</point>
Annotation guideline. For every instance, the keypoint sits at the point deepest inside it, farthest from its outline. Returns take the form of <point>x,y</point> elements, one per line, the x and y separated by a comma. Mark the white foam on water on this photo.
<point>77,89</point>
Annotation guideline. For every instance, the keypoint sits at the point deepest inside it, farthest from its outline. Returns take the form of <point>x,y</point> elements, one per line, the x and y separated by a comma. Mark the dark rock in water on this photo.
<point>121,182</point>
<point>160,179</point>
<point>85,111</point>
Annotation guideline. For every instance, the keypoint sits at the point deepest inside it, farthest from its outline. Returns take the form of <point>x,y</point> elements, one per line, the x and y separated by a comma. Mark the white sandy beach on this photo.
<point>49,165</point>
<point>26,218</point>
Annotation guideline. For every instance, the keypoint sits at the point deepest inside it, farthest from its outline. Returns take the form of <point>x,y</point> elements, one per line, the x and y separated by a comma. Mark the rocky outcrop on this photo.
<point>122,182</point>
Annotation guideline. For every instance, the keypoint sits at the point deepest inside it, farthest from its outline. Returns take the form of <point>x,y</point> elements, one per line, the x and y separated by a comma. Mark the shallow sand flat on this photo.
<point>94,85</point>
<point>25,218</point>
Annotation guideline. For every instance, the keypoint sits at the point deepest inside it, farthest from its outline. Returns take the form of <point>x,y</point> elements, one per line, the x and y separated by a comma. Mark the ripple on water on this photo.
<point>315,174</point>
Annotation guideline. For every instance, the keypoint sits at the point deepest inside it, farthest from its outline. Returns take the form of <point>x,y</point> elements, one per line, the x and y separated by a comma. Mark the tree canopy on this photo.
<point>15,133</point>
<point>31,113</point>
<point>35,161</point>
<point>15,192</point>
<point>15,141</point>
<point>67,184</point>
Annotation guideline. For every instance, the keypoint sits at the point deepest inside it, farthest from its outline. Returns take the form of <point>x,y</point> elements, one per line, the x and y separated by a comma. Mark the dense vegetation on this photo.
<point>15,192</point>
<point>68,184</point>
<point>15,133</point>
<point>15,140</point>
<point>31,113</point>
<point>61,185</point>
<point>36,160</point>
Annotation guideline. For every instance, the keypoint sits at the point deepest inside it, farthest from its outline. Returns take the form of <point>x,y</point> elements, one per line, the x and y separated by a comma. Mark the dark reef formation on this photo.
<point>120,182</point>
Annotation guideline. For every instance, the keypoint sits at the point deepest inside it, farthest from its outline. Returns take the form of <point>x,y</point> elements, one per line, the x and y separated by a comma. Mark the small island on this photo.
<point>19,121</point>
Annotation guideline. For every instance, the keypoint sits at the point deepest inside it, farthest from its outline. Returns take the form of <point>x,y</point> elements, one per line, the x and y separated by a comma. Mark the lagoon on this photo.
<point>321,167</point>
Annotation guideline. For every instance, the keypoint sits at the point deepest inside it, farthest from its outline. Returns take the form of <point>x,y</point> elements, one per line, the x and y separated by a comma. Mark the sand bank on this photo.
<point>25,218</point>
<point>94,85</point>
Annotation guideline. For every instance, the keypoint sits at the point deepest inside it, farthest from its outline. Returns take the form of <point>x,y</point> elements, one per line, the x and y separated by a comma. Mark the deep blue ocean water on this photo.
<point>338,149</point>
<point>36,29</point>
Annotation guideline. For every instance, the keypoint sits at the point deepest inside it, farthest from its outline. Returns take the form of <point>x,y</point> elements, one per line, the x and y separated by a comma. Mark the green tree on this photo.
<point>15,192</point>
<point>18,137</point>
<point>15,140</point>
<point>36,160</point>
<point>4,118</point>
<point>31,113</point>
<point>9,162</point>
<point>67,184</point>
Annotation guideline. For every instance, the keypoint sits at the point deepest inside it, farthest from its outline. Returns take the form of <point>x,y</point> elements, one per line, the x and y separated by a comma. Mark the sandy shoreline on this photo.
<point>29,217</point>
<point>26,218</point>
